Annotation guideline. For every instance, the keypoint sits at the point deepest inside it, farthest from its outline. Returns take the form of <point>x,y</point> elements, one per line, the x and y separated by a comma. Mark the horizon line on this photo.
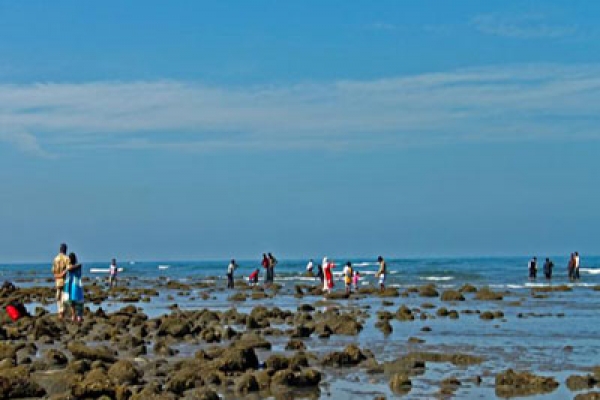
<point>226,259</point>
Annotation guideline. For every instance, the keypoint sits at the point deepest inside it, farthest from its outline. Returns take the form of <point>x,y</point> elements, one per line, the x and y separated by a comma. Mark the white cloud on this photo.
<point>24,141</point>
<point>526,26</point>
<point>530,102</point>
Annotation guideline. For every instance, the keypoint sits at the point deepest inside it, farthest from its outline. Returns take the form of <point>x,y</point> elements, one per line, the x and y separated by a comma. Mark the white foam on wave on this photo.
<point>103,270</point>
<point>592,271</point>
<point>368,272</point>
<point>364,264</point>
<point>535,284</point>
<point>163,266</point>
<point>530,285</point>
<point>297,278</point>
<point>436,278</point>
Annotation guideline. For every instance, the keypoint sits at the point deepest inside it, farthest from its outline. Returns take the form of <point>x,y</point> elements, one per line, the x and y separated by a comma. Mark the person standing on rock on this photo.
<point>265,265</point>
<point>309,267</point>
<point>381,273</point>
<point>59,270</point>
<point>355,280</point>
<point>230,269</point>
<point>571,267</point>
<point>532,269</point>
<point>112,273</point>
<point>348,273</point>
<point>324,279</point>
<point>328,284</point>
<point>548,265</point>
<point>320,273</point>
<point>271,269</point>
<point>73,290</point>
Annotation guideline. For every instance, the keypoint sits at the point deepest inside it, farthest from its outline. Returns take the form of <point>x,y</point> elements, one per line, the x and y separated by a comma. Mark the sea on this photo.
<point>495,272</point>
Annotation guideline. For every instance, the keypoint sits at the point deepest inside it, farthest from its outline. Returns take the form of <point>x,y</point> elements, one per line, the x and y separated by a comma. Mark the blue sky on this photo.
<point>202,130</point>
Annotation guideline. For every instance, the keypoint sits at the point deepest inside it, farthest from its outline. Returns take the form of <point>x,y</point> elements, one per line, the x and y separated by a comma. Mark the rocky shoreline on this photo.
<point>204,353</point>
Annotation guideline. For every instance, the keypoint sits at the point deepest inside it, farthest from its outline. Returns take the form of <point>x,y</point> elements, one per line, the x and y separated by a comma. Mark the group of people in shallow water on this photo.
<point>67,272</point>
<point>572,268</point>
<point>268,263</point>
<point>350,276</point>
<point>324,273</point>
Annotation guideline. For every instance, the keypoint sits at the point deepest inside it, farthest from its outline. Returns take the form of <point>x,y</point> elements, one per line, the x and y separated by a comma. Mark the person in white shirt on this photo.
<point>112,271</point>
<point>309,266</point>
<point>328,265</point>
<point>576,265</point>
<point>230,269</point>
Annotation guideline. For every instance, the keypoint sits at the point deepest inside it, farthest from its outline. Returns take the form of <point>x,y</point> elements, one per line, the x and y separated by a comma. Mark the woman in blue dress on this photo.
<point>73,292</point>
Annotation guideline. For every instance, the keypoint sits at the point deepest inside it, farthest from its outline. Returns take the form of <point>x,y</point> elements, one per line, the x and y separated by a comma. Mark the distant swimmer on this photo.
<point>381,272</point>
<point>548,266</point>
<point>532,269</point>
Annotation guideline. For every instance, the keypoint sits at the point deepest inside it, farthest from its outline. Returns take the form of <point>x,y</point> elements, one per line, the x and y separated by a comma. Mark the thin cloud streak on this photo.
<point>382,26</point>
<point>527,26</point>
<point>526,102</point>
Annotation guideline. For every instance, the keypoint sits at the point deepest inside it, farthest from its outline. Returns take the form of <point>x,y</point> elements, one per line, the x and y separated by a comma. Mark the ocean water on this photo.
<point>554,336</point>
<point>505,272</point>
